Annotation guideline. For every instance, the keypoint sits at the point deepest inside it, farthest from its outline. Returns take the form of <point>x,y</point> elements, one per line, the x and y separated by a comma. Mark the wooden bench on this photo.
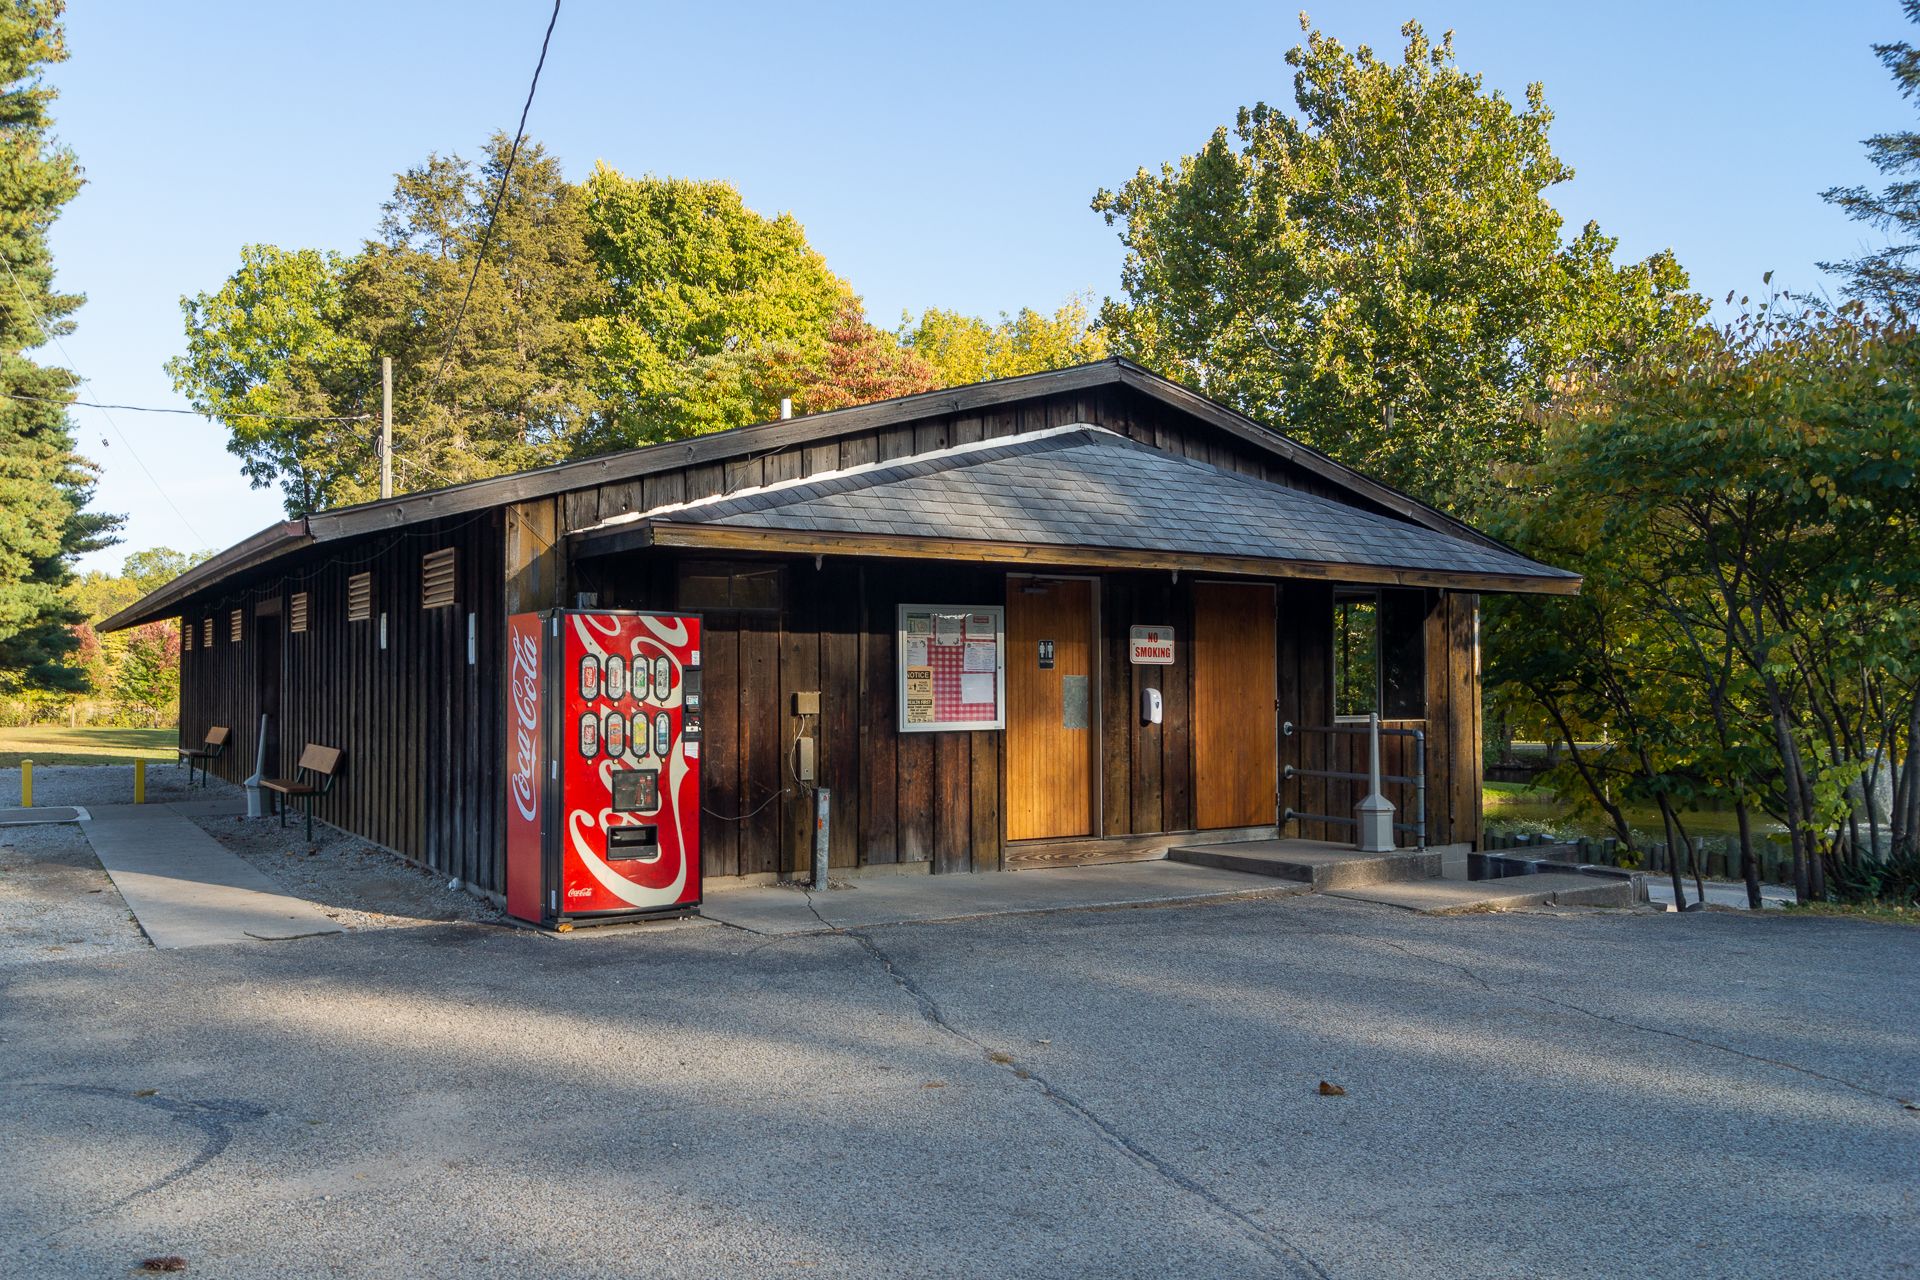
<point>312,777</point>
<point>206,753</point>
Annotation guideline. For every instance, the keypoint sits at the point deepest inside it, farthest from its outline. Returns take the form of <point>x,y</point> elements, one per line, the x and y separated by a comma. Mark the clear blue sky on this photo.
<point>936,155</point>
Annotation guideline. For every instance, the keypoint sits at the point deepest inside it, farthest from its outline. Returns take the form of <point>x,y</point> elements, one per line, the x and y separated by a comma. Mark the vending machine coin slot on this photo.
<point>690,690</point>
<point>633,844</point>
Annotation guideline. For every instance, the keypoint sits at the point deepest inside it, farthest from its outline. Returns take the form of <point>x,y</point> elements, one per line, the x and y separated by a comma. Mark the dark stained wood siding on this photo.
<point>419,725</point>
<point>421,728</point>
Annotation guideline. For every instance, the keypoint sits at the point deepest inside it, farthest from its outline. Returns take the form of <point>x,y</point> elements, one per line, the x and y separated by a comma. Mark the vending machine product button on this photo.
<point>662,733</point>
<point>589,735</point>
<point>616,678</point>
<point>616,735</point>
<point>589,677</point>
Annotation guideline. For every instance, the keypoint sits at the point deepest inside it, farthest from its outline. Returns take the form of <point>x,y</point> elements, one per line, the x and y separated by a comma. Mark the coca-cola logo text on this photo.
<point>524,691</point>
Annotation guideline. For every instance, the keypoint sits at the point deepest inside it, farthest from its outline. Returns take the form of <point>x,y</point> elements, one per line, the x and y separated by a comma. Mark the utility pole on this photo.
<point>386,426</point>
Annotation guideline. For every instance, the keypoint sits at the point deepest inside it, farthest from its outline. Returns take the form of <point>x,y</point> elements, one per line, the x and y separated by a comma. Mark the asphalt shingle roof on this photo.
<point>1089,487</point>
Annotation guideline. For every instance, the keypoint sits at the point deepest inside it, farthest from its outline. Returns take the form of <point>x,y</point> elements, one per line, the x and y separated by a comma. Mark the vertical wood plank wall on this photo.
<point>420,726</point>
<point>421,729</point>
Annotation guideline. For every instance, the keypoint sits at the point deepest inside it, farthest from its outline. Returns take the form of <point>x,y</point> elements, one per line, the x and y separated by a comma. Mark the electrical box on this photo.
<point>807,703</point>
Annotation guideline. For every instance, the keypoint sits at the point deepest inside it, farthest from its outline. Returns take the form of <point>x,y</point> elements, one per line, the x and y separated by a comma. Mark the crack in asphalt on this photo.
<point>1277,1245</point>
<point>1628,1024</point>
<point>215,1118</point>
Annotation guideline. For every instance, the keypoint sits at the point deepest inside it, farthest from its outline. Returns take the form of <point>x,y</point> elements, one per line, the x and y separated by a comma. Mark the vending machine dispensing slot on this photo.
<point>603,766</point>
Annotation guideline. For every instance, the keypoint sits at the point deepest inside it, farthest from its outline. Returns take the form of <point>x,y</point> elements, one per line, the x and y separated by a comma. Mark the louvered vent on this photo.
<point>186,636</point>
<point>297,612</point>
<point>206,633</point>
<point>436,579</point>
<point>235,637</point>
<point>359,597</point>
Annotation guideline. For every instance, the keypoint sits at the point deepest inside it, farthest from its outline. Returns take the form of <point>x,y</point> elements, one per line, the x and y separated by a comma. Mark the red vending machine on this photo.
<point>603,765</point>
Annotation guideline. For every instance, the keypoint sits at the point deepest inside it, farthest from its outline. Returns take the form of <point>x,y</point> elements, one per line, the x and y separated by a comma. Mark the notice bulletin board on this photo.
<point>952,667</point>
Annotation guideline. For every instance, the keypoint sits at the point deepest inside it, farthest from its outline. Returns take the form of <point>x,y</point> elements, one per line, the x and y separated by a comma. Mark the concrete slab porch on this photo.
<point>878,900</point>
<point>1315,863</point>
<point>1449,897</point>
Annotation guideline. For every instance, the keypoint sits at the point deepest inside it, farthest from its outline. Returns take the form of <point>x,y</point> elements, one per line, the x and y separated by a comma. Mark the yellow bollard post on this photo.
<point>26,784</point>
<point>139,781</point>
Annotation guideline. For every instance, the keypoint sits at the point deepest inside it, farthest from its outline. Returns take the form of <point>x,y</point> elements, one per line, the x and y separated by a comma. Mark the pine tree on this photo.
<point>44,484</point>
<point>1890,275</point>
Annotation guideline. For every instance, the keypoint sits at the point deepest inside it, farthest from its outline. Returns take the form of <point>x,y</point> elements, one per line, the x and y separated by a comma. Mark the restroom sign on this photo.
<point>1150,646</point>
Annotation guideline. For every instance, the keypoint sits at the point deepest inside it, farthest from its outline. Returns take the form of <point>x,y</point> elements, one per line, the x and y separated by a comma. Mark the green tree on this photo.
<point>299,334</point>
<point>966,349</point>
<point>44,484</point>
<point>272,345</point>
<point>1745,509</point>
<point>710,303</point>
<point>1380,274</point>
<point>1889,276</point>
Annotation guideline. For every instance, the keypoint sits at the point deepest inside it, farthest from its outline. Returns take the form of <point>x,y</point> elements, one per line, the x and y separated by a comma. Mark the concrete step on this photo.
<point>1311,862</point>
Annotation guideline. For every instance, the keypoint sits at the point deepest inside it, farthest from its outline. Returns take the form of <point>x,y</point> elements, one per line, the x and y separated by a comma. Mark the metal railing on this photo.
<point>1417,779</point>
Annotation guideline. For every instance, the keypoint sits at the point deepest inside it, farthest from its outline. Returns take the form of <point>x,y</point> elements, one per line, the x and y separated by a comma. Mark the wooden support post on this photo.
<point>26,784</point>
<point>139,781</point>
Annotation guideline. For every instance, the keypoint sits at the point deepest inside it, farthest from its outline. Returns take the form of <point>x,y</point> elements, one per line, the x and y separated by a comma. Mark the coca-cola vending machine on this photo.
<point>603,765</point>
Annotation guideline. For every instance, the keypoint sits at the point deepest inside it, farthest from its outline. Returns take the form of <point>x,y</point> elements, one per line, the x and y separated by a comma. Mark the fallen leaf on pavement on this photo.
<point>1328,1090</point>
<point>169,1262</point>
<point>144,1093</point>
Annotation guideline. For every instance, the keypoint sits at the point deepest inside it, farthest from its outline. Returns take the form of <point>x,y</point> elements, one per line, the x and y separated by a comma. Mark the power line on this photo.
<point>499,198</point>
<point>191,413</point>
<point>132,452</point>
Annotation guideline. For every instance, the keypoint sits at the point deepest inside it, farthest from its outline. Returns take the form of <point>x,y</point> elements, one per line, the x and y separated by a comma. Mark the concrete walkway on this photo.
<point>187,890</point>
<point>893,899</point>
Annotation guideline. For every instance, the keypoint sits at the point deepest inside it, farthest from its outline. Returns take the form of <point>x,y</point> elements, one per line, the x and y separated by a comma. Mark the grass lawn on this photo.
<point>54,744</point>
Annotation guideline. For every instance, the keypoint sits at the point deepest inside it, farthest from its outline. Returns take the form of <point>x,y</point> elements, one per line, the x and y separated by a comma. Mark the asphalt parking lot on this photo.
<point>1124,1092</point>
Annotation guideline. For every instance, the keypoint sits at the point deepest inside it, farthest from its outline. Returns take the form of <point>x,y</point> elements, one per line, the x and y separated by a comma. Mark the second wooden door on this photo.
<point>1236,745</point>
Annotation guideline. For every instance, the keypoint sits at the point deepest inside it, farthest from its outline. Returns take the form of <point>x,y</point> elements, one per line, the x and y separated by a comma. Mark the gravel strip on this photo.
<point>55,901</point>
<point>359,884</point>
<point>58,784</point>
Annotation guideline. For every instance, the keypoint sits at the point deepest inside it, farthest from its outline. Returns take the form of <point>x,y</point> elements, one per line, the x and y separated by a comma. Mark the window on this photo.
<point>359,597</point>
<point>1380,654</point>
<point>716,586</point>
<point>1356,654</point>
<point>236,627</point>
<point>436,579</point>
<point>297,612</point>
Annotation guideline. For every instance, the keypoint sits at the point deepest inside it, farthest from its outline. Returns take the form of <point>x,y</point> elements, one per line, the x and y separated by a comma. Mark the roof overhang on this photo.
<point>271,543</point>
<point>638,535</point>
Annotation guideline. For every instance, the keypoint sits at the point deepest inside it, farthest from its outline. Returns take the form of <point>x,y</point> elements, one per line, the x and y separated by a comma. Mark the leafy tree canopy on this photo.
<point>966,349</point>
<point>1380,273</point>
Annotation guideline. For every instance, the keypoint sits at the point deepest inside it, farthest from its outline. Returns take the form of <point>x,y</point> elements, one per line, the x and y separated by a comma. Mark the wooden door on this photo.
<point>1050,708</point>
<point>1236,743</point>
